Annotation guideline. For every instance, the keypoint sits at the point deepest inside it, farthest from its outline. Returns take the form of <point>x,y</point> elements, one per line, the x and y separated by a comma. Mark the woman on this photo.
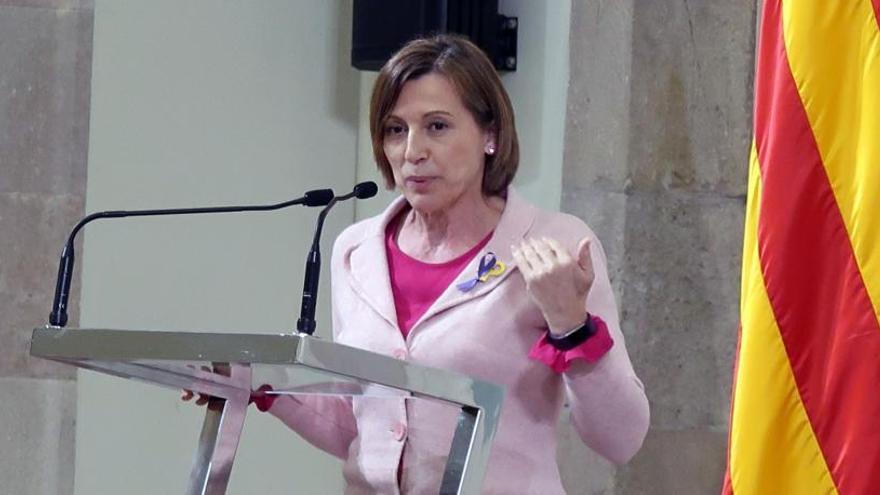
<point>541,321</point>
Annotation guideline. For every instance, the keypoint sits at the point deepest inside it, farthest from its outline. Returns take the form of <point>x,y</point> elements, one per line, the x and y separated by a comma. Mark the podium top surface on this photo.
<point>232,364</point>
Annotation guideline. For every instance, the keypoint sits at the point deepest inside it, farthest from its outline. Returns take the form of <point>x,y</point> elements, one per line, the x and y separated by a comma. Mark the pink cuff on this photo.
<point>262,398</point>
<point>559,361</point>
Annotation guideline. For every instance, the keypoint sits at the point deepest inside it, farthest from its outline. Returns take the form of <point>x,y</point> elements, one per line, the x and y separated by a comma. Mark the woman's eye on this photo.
<point>438,126</point>
<point>394,130</point>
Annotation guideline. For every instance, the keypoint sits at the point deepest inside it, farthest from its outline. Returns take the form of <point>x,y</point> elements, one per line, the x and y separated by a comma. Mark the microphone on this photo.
<point>306,321</point>
<point>364,190</point>
<point>58,316</point>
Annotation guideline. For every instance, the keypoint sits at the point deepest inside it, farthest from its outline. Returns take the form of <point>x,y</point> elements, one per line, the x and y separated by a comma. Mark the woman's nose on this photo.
<point>416,150</point>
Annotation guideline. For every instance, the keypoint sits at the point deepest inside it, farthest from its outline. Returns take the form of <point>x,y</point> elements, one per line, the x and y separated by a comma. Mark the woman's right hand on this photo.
<point>261,397</point>
<point>213,403</point>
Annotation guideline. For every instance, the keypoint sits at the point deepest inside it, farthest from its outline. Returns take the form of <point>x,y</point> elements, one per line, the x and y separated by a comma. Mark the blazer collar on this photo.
<point>367,262</point>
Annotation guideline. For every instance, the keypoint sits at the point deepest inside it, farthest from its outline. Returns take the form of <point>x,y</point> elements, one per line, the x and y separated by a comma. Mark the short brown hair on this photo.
<point>472,75</point>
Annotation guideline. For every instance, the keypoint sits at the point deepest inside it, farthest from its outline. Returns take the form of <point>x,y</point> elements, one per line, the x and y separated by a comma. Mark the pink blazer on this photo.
<point>486,333</point>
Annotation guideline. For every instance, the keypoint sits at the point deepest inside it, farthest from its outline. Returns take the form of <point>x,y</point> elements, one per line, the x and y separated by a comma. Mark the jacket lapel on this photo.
<point>366,262</point>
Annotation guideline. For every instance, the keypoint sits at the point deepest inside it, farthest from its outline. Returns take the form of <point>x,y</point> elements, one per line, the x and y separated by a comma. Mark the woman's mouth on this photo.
<point>418,181</point>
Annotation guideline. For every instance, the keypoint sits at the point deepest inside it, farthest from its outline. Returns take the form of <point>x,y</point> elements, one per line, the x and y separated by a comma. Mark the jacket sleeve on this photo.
<point>609,409</point>
<point>326,422</point>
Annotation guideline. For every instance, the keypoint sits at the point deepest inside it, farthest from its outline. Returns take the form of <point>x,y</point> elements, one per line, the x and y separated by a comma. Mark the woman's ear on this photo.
<point>490,148</point>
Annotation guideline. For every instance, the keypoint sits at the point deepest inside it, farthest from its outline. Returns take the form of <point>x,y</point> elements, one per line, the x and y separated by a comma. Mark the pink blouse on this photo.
<point>416,284</point>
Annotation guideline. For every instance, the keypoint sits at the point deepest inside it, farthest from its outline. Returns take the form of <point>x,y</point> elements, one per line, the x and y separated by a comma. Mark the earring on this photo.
<point>490,149</point>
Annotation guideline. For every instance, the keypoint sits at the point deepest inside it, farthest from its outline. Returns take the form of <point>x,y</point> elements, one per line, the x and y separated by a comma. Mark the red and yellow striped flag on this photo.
<point>805,415</point>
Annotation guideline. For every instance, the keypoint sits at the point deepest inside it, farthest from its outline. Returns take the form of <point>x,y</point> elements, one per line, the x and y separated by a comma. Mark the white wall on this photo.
<point>538,90</point>
<point>197,103</point>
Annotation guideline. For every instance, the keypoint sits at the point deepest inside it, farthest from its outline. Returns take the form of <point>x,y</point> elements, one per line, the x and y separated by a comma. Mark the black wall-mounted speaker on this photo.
<point>381,27</point>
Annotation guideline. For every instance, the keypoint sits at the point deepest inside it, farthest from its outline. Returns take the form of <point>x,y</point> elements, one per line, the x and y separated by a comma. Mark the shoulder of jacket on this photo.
<point>356,232</point>
<point>561,225</point>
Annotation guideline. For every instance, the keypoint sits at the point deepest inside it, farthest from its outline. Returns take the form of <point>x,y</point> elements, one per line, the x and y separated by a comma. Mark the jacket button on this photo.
<point>399,431</point>
<point>399,353</point>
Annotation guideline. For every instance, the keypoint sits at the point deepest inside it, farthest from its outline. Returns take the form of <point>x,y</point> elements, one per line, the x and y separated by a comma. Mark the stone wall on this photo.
<point>46,56</point>
<point>657,141</point>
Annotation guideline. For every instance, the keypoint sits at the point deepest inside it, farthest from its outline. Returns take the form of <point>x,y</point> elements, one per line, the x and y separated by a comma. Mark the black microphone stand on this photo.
<point>58,316</point>
<point>306,322</point>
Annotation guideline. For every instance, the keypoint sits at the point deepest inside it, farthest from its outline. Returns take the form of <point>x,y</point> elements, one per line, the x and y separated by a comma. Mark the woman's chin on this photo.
<point>424,203</point>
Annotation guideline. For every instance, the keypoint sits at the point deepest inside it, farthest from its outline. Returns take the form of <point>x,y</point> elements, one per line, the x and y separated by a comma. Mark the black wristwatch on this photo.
<point>573,338</point>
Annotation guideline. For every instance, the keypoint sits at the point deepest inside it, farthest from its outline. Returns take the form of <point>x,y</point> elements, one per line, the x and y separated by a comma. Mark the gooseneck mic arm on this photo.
<point>306,321</point>
<point>58,316</point>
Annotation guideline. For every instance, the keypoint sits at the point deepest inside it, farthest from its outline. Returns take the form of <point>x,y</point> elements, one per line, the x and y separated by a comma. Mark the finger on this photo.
<point>557,249</point>
<point>528,252</point>
<point>585,260</point>
<point>521,261</point>
<point>203,399</point>
<point>187,395</point>
<point>543,251</point>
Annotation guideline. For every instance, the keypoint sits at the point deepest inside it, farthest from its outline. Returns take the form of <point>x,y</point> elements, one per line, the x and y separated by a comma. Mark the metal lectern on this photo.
<point>229,366</point>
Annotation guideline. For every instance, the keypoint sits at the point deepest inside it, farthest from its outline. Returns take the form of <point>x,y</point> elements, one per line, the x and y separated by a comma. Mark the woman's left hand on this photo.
<point>557,282</point>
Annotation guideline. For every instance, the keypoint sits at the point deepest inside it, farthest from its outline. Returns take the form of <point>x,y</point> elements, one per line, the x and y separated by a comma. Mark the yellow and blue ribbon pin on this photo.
<point>489,267</point>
